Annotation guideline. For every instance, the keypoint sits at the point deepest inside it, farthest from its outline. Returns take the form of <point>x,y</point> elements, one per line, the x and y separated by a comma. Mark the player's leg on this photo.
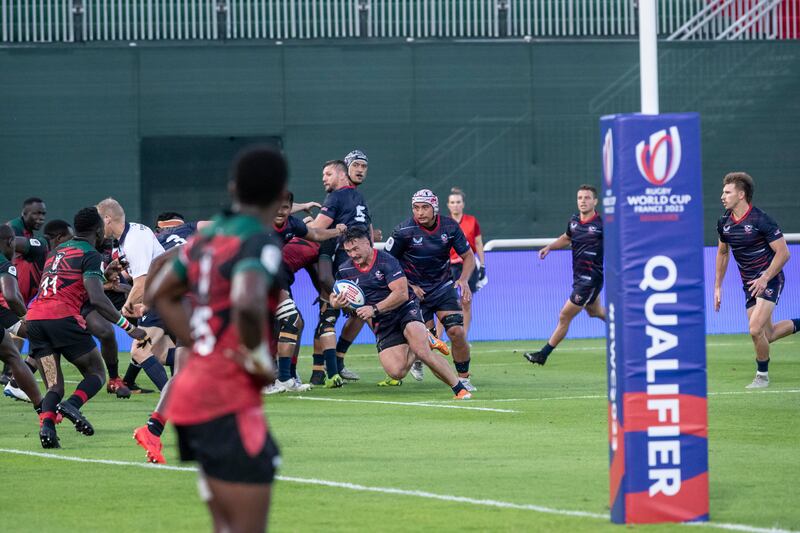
<point>21,375</point>
<point>90,365</point>
<point>396,360</point>
<point>352,327</point>
<point>416,335</point>
<point>53,378</point>
<point>759,316</point>
<point>288,339</point>
<point>326,352</point>
<point>596,310</point>
<point>565,316</point>
<point>148,355</point>
<point>104,331</point>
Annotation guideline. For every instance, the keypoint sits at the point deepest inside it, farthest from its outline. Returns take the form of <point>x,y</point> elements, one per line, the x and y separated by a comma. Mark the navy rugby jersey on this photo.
<point>346,206</point>
<point>292,227</point>
<point>176,235</point>
<point>749,238</point>
<point>374,280</point>
<point>587,247</point>
<point>425,254</point>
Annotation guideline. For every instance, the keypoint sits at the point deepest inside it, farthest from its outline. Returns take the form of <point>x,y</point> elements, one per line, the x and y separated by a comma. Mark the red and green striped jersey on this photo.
<point>212,384</point>
<point>61,292</point>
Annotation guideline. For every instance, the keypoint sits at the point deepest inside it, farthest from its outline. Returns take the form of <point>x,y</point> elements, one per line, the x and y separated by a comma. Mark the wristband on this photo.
<point>124,324</point>
<point>375,310</point>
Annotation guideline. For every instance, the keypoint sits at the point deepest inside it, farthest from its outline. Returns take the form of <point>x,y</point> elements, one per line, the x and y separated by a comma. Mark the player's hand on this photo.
<point>128,311</point>
<point>377,235</point>
<point>418,292</point>
<point>338,300</point>
<point>366,312</point>
<point>138,334</point>
<point>717,298</point>
<point>139,309</point>
<point>256,361</point>
<point>543,252</point>
<point>466,293</point>
<point>481,272</point>
<point>341,228</point>
<point>757,286</point>
<point>308,206</point>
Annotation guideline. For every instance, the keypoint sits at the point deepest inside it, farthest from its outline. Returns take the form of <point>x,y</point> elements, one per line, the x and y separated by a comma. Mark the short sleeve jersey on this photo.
<point>174,236</point>
<point>749,239</point>
<point>425,253</point>
<point>7,268</point>
<point>375,278</point>
<point>292,227</point>
<point>587,247</point>
<point>28,269</point>
<point>472,230</point>
<point>212,384</point>
<point>140,246</point>
<point>62,292</point>
<point>346,206</point>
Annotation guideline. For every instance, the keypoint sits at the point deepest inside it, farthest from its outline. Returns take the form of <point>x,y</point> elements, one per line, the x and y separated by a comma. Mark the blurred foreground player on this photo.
<point>760,251</point>
<point>585,234</point>
<point>215,400</point>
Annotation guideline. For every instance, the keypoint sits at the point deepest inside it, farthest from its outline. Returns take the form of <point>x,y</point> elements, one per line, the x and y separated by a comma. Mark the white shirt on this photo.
<point>140,246</point>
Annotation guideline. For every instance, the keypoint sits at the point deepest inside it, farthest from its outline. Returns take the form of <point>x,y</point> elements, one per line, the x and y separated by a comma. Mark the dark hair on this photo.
<point>6,232</point>
<point>356,232</point>
<point>585,187</point>
<point>742,181</point>
<point>56,228</point>
<point>338,163</point>
<point>168,215</point>
<point>458,191</point>
<point>32,200</point>
<point>87,220</point>
<point>260,174</point>
<point>289,197</point>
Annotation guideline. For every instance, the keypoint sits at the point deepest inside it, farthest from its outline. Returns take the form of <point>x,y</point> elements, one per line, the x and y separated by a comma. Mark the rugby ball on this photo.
<point>352,292</point>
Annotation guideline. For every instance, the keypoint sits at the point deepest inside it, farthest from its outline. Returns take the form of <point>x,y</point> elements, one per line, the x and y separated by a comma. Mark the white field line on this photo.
<point>600,396</point>
<point>406,404</point>
<point>393,491</point>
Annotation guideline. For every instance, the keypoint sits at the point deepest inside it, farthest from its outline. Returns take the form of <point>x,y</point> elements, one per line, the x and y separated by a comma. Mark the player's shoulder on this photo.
<point>724,218</point>
<point>406,227</point>
<point>449,223</point>
<point>139,228</point>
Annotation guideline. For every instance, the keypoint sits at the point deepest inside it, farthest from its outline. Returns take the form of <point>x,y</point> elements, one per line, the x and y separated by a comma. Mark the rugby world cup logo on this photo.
<point>659,160</point>
<point>608,157</point>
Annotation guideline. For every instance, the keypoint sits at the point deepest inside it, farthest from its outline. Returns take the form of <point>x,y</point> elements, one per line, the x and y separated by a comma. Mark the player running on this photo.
<point>393,310</point>
<point>585,234</point>
<point>422,244</point>
<point>72,274</point>
<point>215,400</point>
<point>760,251</point>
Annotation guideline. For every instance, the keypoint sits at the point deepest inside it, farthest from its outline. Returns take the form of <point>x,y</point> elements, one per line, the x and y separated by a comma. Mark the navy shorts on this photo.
<point>585,292</point>
<point>7,317</point>
<point>219,448</point>
<point>442,299</point>
<point>771,294</point>
<point>388,327</point>
<point>456,270</point>
<point>151,319</point>
<point>60,335</point>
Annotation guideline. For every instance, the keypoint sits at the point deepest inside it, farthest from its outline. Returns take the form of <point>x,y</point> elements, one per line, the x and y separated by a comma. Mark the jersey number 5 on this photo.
<point>360,214</point>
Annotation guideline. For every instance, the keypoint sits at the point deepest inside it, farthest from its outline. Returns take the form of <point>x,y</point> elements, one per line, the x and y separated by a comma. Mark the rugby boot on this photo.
<point>151,444</point>
<point>438,344</point>
<point>536,358</point>
<point>74,415</point>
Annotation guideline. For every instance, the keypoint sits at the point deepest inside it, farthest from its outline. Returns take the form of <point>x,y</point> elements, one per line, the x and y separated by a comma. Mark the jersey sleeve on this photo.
<point>396,244</point>
<point>569,228</point>
<point>259,253</point>
<point>460,243</point>
<point>300,228</point>
<point>36,251</point>
<point>7,267</point>
<point>769,228</point>
<point>477,228</point>
<point>393,269</point>
<point>720,223</point>
<point>330,206</point>
<point>92,265</point>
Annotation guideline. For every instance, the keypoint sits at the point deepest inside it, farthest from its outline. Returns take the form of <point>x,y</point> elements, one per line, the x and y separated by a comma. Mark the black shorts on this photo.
<point>455,271</point>
<point>7,317</point>
<point>442,299</point>
<point>151,319</point>
<point>771,294</point>
<point>60,335</point>
<point>217,445</point>
<point>388,327</point>
<point>585,292</point>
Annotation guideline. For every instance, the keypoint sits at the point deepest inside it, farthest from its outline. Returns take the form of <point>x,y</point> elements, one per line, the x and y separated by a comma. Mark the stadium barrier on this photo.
<point>524,295</point>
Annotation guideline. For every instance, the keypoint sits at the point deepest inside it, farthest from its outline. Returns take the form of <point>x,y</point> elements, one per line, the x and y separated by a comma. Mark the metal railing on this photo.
<point>23,21</point>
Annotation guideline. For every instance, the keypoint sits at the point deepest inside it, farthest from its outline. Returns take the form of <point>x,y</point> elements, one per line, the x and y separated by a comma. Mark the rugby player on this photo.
<point>760,251</point>
<point>72,274</point>
<point>585,234</point>
<point>393,310</point>
<point>215,400</point>
<point>422,244</point>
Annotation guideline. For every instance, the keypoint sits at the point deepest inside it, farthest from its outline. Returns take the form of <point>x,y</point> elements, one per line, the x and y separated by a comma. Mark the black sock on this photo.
<point>796,322</point>
<point>293,368</point>
<point>330,362</point>
<point>87,388</point>
<point>462,367</point>
<point>113,370</point>
<point>132,373</point>
<point>318,359</point>
<point>763,366</point>
<point>50,402</point>
<point>155,424</point>
<point>284,368</point>
<point>547,350</point>
<point>342,345</point>
<point>458,387</point>
<point>32,366</point>
<point>170,362</point>
<point>155,371</point>
<point>340,363</point>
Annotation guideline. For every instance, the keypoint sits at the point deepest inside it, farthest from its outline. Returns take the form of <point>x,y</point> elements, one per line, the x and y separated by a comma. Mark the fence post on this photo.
<point>363,18</point>
<point>78,12</point>
<point>502,18</point>
<point>222,19</point>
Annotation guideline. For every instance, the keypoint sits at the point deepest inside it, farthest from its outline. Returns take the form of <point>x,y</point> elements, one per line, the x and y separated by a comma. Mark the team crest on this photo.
<point>659,160</point>
<point>768,292</point>
<point>748,228</point>
<point>444,237</point>
<point>379,274</point>
<point>578,297</point>
<point>592,229</point>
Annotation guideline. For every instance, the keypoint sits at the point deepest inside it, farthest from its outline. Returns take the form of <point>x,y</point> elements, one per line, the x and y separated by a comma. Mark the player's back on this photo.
<point>346,206</point>
<point>176,235</point>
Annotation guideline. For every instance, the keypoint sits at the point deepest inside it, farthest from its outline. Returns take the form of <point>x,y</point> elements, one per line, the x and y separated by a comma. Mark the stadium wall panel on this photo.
<point>514,124</point>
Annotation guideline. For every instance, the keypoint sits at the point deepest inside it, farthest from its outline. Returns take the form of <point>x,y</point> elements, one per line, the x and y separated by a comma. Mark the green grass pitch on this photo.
<point>531,447</point>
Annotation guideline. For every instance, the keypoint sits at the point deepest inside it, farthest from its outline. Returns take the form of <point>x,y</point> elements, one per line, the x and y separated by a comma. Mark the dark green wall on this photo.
<point>515,125</point>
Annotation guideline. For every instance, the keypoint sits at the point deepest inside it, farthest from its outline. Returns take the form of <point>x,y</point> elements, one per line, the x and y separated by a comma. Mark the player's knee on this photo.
<point>395,372</point>
<point>327,322</point>
<point>288,320</point>
<point>453,323</point>
<point>756,330</point>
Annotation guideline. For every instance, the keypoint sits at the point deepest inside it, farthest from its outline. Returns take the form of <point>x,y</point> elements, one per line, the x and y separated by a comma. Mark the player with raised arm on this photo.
<point>585,234</point>
<point>215,400</point>
<point>422,244</point>
<point>72,274</point>
<point>760,251</point>
<point>392,308</point>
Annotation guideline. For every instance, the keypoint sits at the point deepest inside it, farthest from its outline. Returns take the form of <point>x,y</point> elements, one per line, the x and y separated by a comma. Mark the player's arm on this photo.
<point>307,207</point>
<point>480,252</point>
<point>93,283</point>
<point>563,241</point>
<point>466,271</point>
<point>10,290</point>
<point>320,235</point>
<point>396,298</point>
<point>166,291</point>
<point>320,222</point>
<point>758,285</point>
<point>135,296</point>
<point>723,256</point>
